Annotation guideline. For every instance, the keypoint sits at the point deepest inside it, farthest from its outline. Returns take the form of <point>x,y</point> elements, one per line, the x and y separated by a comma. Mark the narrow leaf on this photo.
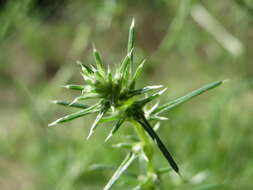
<point>137,74</point>
<point>85,97</point>
<point>85,68</point>
<point>98,60</point>
<point>68,103</point>
<point>140,91</point>
<point>91,109</point>
<point>110,118</point>
<point>97,120</point>
<point>187,97</point>
<point>74,87</point>
<point>115,128</point>
<point>145,124</point>
<point>151,97</point>
<point>130,46</point>
<point>131,37</point>
<point>121,169</point>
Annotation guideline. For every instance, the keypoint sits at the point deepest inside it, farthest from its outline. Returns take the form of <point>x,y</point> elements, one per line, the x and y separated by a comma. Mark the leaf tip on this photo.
<point>108,137</point>
<point>52,124</point>
<point>162,91</point>
<point>133,23</point>
<point>224,81</point>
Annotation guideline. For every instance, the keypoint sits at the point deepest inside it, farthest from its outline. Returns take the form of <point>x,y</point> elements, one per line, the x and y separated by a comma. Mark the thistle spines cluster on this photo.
<point>118,100</point>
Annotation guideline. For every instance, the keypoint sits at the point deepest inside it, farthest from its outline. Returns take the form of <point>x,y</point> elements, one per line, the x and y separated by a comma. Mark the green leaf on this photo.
<point>110,118</point>
<point>91,109</point>
<point>115,128</point>
<point>140,91</point>
<point>85,68</point>
<point>68,103</point>
<point>136,74</point>
<point>150,98</point>
<point>99,62</point>
<point>123,145</point>
<point>74,87</point>
<point>98,118</point>
<point>86,96</point>
<point>187,97</point>
<point>124,70</point>
<point>131,37</point>
<point>121,169</point>
<point>145,124</point>
<point>130,45</point>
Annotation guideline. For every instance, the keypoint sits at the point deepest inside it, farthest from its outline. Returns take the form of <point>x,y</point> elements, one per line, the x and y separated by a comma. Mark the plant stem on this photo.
<point>147,146</point>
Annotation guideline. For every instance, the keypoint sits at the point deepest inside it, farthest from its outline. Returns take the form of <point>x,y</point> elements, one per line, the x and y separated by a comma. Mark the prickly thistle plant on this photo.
<point>119,100</point>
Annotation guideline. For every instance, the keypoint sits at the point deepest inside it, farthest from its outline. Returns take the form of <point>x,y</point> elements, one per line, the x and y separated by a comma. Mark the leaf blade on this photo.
<point>187,97</point>
<point>121,169</point>
<point>145,124</point>
<point>74,87</point>
<point>91,109</point>
<point>97,120</point>
<point>68,104</point>
<point>115,128</point>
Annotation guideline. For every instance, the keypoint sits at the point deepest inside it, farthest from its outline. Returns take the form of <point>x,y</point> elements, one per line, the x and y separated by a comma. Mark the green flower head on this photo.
<point>119,100</point>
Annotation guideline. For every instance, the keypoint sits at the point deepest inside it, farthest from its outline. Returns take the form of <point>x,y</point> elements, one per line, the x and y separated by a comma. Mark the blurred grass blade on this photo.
<point>187,97</point>
<point>230,43</point>
<point>91,109</point>
<point>208,187</point>
<point>123,145</point>
<point>141,91</point>
<point>145,124</point>
<point>121,169</point>
<point>125,69</point>
<point>115,128</point>
<point>94,167</point>
<point>68,103</point>
<point>164,170</point>
<point>74,87</point>
<point>98,118</point>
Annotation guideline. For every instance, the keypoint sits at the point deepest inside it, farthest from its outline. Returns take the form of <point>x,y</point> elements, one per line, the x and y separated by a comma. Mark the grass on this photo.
<point>211,136</point>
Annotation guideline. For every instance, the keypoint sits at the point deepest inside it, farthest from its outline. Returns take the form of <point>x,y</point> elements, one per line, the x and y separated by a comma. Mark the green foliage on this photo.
<point>118,99</point>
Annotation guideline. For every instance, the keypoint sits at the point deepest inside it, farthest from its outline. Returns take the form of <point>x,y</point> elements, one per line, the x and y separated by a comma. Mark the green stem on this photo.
<point>147,145</point>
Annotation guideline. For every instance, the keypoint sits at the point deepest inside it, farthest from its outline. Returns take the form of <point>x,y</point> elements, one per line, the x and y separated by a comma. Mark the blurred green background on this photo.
<point>187,43</point>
